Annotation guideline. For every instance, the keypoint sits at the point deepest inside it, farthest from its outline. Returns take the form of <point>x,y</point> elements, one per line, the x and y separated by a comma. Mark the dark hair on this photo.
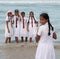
<point>32,13</point>
<point>33,16</point>
<point>23,13</point>
<point>45,15</point>
<point>17,10</point>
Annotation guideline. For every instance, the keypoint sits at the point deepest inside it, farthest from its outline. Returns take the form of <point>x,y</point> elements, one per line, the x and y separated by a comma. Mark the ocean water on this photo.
<point>51,9</point>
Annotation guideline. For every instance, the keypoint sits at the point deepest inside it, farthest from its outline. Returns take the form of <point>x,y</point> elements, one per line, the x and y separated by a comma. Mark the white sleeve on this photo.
<point>6,18</point>
<point>39,31</point>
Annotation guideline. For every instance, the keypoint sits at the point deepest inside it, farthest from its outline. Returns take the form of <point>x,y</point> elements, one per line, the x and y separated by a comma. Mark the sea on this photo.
<point>52,9</point>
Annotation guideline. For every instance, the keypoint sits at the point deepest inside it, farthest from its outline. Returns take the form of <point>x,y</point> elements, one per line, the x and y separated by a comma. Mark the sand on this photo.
<point>22,51</point>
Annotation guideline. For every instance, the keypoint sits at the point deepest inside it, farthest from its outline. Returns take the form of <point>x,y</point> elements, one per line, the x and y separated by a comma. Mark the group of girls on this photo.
<point>18,25</point>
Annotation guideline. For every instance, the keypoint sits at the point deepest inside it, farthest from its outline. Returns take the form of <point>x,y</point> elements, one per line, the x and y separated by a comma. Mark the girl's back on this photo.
<point>43,31</point>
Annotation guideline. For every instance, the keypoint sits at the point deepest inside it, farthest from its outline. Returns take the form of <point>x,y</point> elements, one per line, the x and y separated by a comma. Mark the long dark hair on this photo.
<point>46,16</point>
<point>33,16</point>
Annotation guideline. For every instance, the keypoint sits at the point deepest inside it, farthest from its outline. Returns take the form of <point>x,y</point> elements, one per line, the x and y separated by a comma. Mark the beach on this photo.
<point>37,8</point>
<point>27,50</point>
<point>22,50</point>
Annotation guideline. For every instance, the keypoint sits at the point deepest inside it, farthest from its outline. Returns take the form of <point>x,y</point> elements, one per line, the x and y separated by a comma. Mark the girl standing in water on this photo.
<point>45,35</point>
<point>8,27</point>
<point>32,26</point>
<point>23,31</point>
<point>16,25</point>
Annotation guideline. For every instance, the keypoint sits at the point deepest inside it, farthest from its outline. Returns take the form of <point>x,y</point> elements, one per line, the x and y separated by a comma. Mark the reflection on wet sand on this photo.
<point>21,51</point>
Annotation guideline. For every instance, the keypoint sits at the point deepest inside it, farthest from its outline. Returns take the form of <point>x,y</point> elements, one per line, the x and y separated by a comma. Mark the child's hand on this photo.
<point>54,35</point>
<point>8,31</point>
<point>37,38</point>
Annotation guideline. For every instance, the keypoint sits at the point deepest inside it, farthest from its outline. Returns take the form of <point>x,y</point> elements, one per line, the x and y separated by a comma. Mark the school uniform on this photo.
<point>45,49</point>
<point>9,20</point>
<point>16,26</point>
<point>23,27</point>
<point>32,27</point>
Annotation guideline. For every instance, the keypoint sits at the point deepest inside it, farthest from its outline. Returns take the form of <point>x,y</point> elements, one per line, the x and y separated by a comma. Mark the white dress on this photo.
<point>45,49</point>
<point>23,30</point>
<point>16,29</point>
<point>9,19</point>
<point>32,30</point>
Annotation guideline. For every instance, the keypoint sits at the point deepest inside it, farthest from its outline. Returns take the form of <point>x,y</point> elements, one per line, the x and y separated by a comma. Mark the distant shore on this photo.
<point>31,2</point>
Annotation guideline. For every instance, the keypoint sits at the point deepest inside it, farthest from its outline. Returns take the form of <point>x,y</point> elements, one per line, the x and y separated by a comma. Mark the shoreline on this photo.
<point>25,44</point>
<point>22,51</point>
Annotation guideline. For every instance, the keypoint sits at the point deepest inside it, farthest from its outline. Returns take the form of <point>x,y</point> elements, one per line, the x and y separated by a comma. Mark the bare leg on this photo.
<point>6,40</point>
<point>9,39</point>
<point>22,40</point>
<point>26,39</point>
<point>16,39</point>
<point>30,39</point>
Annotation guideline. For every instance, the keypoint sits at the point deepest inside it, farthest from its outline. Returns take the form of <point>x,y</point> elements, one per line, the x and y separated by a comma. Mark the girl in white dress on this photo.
<point>8,27</point>
<point>16,25</point>
<point>45,35</point>
<point>23,27</point>
<point>32,26</point>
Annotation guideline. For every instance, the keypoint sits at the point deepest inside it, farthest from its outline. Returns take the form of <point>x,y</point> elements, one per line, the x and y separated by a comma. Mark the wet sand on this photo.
<point>22,51</point>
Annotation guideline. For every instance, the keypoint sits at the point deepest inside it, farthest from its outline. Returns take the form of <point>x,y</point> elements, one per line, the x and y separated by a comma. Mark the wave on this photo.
<point>29,2</point>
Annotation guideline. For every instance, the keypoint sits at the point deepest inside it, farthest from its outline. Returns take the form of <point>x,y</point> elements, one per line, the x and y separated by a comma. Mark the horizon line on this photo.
<point>30,2</point>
